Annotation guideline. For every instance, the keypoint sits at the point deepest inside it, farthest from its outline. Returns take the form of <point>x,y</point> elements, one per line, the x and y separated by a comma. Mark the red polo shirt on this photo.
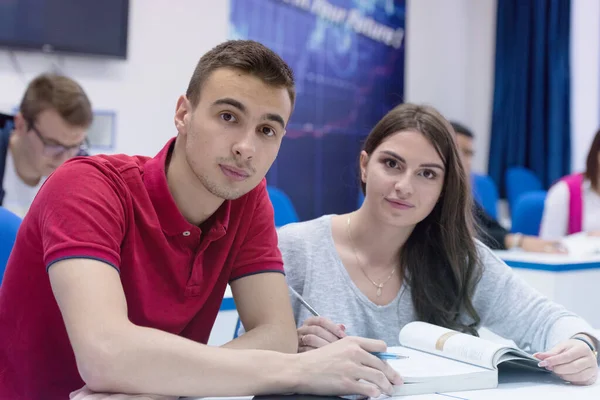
<point>118,209</point>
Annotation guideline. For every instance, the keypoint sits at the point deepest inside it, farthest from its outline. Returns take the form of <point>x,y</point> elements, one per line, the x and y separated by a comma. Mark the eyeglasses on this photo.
<point>53,149</point>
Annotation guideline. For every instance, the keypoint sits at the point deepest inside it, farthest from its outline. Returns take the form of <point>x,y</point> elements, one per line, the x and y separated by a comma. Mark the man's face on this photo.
<point>465,147</point>
<point>234,133</point>
<point>50,140</point>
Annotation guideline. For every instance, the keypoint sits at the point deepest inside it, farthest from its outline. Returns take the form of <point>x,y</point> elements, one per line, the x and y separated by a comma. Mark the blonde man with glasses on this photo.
<point>49,128</point>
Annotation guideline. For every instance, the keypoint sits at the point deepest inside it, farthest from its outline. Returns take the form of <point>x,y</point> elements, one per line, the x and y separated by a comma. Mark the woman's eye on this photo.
<point>427,174</point>
<point>391,163</point>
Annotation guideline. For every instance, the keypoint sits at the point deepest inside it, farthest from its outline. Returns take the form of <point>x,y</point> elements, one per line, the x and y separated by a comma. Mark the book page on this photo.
<point>448,343</point>
<point>424,367</point>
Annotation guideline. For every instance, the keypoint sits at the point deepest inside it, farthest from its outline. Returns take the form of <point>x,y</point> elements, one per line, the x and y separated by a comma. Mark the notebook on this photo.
<point>443,360</point>
<point>582,244</point>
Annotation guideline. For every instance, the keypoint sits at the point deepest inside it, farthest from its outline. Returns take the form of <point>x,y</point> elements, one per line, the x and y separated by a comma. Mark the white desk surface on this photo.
<point>546,258</point>
<point>513,385</point>
<point>520,387</point>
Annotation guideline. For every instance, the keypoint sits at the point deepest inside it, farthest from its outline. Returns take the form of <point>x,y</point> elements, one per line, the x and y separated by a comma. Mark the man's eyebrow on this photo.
<point>231,102</point>
<point>275,118</point>
<point>237,104</point>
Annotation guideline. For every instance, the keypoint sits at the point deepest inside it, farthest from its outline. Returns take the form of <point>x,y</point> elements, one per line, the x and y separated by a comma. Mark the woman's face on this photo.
<point>404,177</point>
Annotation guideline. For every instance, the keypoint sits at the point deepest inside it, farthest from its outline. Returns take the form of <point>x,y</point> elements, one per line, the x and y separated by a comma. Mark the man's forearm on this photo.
<point>145,360</point>
<point>267,337</point>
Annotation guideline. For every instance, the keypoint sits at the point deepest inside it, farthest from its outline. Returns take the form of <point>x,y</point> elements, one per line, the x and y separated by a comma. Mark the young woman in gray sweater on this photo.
<point>409,254</point>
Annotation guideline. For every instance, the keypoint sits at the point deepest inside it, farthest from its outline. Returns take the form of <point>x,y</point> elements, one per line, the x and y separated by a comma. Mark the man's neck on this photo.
<point>195,203</point>
<point>24,170</point>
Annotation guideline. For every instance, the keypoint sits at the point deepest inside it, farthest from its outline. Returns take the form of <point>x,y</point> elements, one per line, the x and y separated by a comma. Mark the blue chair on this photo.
<point>9,225</point>
<point>238,325</point>
<point>485,193</point>
<point>285,213</point>
<point>518,181</point>
<point>361,198</point>
<point>527,213</point>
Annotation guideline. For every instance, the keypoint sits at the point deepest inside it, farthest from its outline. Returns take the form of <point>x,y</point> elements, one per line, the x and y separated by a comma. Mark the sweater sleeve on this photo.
<point>511,308</point>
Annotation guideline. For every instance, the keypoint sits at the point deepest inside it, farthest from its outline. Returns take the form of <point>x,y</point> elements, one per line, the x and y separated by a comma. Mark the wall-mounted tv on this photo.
<point>92,27</point>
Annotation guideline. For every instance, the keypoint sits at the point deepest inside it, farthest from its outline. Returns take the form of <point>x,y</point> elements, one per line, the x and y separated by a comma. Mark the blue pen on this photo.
<point>389,356</point>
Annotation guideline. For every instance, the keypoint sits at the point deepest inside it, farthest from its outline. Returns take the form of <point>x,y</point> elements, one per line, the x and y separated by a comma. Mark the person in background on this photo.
<point>49,128</point>
<point>494,235</point>
<point>573,203</point>
<point>409,254</point>
<point>120,267</point>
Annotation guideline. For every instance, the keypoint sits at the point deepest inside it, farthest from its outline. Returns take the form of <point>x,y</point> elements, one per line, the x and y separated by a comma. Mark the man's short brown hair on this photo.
<point>57,92</point>
<point>248,56</point>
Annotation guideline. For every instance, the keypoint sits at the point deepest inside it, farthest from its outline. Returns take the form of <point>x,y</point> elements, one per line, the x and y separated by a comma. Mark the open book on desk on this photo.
<point>443,360</point>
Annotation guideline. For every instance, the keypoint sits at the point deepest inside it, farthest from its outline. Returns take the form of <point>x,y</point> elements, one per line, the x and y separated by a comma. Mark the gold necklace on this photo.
<point>379,286</point>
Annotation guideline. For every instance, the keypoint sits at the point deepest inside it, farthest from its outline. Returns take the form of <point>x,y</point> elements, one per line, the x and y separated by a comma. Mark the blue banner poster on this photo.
<point>348,60</point>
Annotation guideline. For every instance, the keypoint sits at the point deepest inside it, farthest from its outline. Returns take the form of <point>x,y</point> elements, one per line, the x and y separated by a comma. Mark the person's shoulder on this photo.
<point>7,124</point>
<point>116,164</point>
<point>560,188</point>
<point>6,121</point>
<point>108,173</point>
<point>489,261</point>
<point>313,230</point>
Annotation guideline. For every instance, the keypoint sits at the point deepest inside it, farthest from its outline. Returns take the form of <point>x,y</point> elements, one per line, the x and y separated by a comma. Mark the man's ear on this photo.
<point>183,112</point>
<point>20,123</point>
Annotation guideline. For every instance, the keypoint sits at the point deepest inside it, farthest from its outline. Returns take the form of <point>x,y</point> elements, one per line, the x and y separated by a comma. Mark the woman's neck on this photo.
<point>379,244</point>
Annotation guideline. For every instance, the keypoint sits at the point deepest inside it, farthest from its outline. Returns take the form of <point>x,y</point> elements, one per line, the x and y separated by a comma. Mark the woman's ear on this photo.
<point>364,160</point>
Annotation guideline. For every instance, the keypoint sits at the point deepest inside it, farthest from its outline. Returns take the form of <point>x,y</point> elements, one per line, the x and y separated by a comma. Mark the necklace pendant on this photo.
<point>379,290</point>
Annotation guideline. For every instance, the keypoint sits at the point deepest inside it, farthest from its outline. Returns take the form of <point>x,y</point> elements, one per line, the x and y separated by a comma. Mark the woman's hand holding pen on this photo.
<point>317,332</point>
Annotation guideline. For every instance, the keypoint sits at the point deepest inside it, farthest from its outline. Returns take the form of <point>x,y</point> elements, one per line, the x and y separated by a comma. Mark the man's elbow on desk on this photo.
<point>100,361</point>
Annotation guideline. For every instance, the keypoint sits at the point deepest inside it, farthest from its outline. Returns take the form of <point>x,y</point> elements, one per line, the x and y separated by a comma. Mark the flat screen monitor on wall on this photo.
<point>93,27</point>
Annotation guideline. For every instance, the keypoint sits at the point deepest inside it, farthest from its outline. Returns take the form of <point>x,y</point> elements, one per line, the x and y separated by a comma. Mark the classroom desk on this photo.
<point>566,279</point>
<point>514,386</point>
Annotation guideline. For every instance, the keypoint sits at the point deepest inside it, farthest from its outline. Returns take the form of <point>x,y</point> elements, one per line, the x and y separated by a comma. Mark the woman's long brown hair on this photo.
<point>439,260</point>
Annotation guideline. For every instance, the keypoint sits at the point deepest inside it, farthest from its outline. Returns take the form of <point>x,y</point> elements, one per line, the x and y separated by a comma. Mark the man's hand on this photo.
<point>346,367</point>
<point>537,245</point>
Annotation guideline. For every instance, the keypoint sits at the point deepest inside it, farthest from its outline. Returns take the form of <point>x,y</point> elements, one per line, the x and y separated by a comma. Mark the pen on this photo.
<point>381,355</point>
<point>389,356</point>
<point>304,303</point>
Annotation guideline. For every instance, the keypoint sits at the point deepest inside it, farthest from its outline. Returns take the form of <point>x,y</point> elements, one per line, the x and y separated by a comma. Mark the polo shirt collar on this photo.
<point>171,220</point>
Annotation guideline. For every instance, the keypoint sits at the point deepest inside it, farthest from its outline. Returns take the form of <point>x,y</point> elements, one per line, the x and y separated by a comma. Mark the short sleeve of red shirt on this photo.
<point>80,209</point>
<point>259,252</point>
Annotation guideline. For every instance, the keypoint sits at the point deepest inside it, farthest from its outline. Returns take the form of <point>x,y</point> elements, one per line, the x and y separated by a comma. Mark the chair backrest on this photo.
<point>285,212</point>
<point>361,198</point>
<point>527,213</point>
<point>9,225</point>
<point>520,180</point>
<point>485,193</point>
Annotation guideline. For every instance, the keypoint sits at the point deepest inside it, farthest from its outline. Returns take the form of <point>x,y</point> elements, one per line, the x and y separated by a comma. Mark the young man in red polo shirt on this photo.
<point>120,266</point>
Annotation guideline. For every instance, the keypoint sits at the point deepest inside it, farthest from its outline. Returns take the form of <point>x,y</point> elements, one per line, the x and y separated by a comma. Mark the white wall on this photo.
<point>450,62</point>
<point>585,74</point>
<point>166,39</point>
